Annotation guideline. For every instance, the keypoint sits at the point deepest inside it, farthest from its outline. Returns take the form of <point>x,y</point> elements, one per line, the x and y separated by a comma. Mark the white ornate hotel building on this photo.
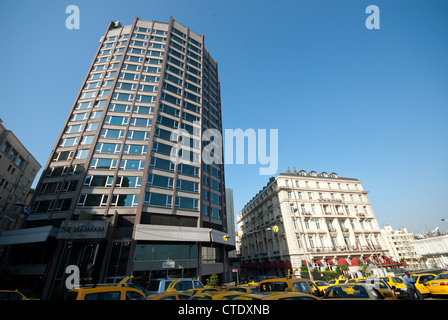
<point>323,220</point>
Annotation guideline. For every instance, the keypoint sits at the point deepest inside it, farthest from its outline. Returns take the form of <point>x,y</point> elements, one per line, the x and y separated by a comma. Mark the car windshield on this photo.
<point>321,283</point>
<point>346,292</point>
<point>441,276</point>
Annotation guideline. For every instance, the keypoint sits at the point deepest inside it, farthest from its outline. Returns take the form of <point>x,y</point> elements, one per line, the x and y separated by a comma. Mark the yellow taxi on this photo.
<point>382,287</point>
<point>355,280</point>
<point>13,295</point>
<point>322,285</point>
<point>421,280</point>
<point>339,280</point>
<point>278,296</point>
<point>397,286</point>
<point>246,288</point>
<point>168,296</point>
<point>221,295</point>
<point>354,291</point>
<point>194,291</point>
<point>297,284</point>
<point>439,285</point>
<point>393,281</point>
<point>120,292</point>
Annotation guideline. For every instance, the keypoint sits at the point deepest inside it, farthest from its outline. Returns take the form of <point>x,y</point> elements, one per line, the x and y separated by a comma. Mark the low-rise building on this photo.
<point>434,250</point>
<point>321,220</point>
<point>400,247</point>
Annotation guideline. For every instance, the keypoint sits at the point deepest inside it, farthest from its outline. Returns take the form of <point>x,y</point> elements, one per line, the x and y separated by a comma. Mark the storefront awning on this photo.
<point>342,261</point>
<point>30,235</point>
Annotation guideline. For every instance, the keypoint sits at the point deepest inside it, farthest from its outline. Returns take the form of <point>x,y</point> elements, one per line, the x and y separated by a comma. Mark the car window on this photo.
<point>154,285</point>
<point>92,296</point>
<point>301,287</point>
<point>424,279</point>
<point>254,290</point>
<point>131,295</point>
<point>198,284</point>
<point>10,296</point>
<point>273,286</point>
<point>397,280</point>
<point>113,295</point>
<point>441,276</point>
<point>346,292</point>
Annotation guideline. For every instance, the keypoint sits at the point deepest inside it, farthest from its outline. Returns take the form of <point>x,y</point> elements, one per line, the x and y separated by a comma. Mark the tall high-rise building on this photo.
<point>114,191</point>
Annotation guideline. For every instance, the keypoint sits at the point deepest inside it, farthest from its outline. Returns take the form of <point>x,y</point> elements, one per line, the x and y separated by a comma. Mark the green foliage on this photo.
<point>212,281</point>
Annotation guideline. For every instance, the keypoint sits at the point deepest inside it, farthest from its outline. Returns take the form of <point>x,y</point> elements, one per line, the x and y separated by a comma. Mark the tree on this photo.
<point>212,281</point>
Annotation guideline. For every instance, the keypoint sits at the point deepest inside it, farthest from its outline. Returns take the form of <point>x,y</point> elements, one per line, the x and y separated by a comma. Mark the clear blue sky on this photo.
<point>367,104</point>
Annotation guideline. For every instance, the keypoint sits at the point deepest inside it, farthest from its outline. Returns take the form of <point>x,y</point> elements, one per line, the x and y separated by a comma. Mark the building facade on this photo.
<point>18,169</point>
<point>321,220</point>
<point>125,187</point>
<point>434,251</point>
<point>400,247</point>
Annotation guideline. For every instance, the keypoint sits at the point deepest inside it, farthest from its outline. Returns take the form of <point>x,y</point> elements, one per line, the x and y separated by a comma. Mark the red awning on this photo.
<point>386,258</point>
<point>280,264</point>
<point>376,258</point>
<point>317,261</point>
<point>287,264</point>
<point>391,264</point>
<point>342,261</point>
<point>329,261</point>
<point>367,259</point>
<point>304,262</point>
<point>354,261</point>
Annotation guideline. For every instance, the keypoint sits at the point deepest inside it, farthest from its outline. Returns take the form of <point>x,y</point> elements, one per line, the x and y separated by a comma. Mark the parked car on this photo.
<point>168,296</point>
<point>438,285</point>
<point>397,286</point>
<point>421,280</point>
<point>358,291</point>
<point>246,288</point>
<point>322,285</point>
<point>221,295</point>
<point>382,287</point>
<point>337,281</point>
<point>13,295</point>
<point>297,284</point>
<point>113,292</point>
<point>206,289</point>
<point>160,285</point>
<point>278,296</point>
